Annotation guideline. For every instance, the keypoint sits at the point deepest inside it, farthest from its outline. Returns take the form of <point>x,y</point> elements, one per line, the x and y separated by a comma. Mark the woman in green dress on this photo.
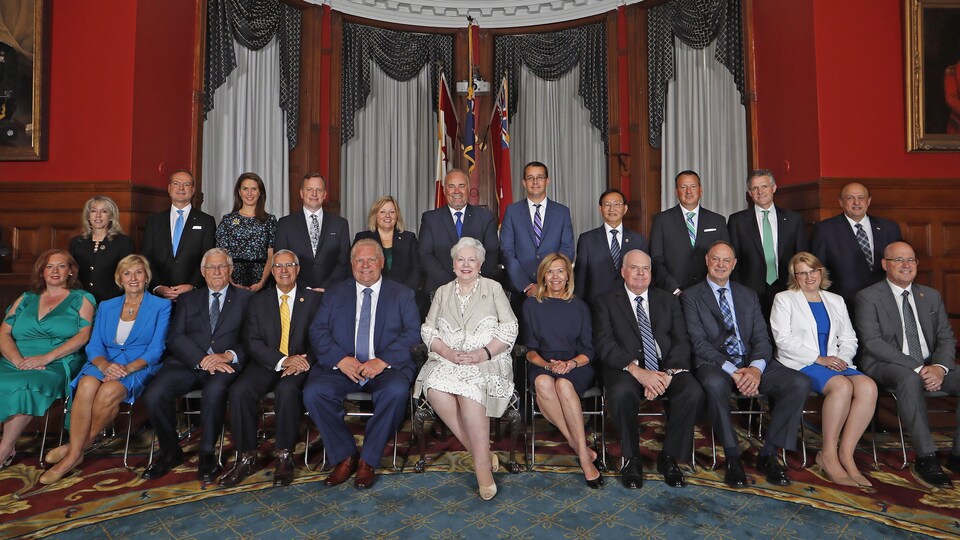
<point>41,340</point>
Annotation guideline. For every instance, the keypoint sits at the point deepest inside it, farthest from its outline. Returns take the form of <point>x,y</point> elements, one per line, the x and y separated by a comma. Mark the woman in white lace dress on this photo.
<point>468,376</point>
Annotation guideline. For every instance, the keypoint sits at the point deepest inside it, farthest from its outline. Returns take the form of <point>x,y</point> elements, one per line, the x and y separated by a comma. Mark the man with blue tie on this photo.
<point>362,337</point>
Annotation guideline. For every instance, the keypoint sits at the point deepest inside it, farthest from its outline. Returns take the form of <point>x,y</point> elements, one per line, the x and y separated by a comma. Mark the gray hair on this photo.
<point>367,242</point>
<point>216,251</point>
<point>761,172</point>
<point>468,242</point>
<point>287,252</point>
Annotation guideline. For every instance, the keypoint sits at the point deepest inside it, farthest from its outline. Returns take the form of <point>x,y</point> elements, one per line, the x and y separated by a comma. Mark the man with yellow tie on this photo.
<point>278,337</point>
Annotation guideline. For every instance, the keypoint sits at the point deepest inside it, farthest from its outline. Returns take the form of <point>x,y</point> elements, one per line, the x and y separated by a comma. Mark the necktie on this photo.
<point>214,311</point>
<point>314,232</point>
<point>615,250</point>
<point>177,232</point>
<point>646,335</point>
<point>910,329</point>
<point>284,325</point>
<point>864,244</point>
<point>363,329</point>
<point>459,224</point>
<point>691,230</point>
<point>730,344</point>
<point>537,224</point>
<point>769,253</point>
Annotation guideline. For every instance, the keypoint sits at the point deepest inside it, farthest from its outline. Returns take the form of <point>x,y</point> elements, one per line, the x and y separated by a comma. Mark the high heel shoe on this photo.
<point>488,492</point>
<point>839,480</point>
<point>857,477</point>
<point>494,464</point>
<point>6,463</point>
<point>52,476</point>
<point>57,454</point>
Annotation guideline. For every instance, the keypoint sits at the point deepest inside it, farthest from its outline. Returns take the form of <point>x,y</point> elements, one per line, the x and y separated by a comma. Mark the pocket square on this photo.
<point>710,230</point>
<point>195,227</point>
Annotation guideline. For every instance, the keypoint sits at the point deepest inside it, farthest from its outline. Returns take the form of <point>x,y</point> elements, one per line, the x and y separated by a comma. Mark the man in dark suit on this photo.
<point>175,240</point>
<point>439,231</point>
<point>908,347</point>
<point>681,236</point>
<point>765,237</point>
<point>599,251</point>
<point>320,240</point>
<point>642,345</point>
<point>369,352</point>
<point>204,351</point>
<point>732,352</point>
<point>851,244</point>
<point>531,229</point>
<point>278,343</point>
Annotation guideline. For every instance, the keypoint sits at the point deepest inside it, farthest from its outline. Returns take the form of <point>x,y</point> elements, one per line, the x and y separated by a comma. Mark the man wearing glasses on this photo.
<point>908,347</point>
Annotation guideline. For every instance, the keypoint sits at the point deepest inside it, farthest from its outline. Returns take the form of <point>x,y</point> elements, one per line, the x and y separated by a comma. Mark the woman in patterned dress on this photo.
<point>247,233</point>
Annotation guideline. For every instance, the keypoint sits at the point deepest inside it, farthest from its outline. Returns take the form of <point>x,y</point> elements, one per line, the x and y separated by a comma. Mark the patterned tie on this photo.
<point>214,311</point>
<point>730,344</point>
<point>314,232</point>
<point>459,224</point>
<point>650,360</point>
<point>537,224</point>
<point>691,230</point>
<point>910,329</point>
<point>284,325</point>
<point>363,329</point>
<point>769,252</point>
<point>177,232</point>
<point>615,249</point>
<point>864,244</point>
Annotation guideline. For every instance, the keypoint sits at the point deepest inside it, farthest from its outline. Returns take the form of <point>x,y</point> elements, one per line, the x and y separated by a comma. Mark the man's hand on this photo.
<point>530,290</point>
<point>294,365</point>
<point>932,377</point>
<point>350,366</point>
<point>747,380</point>
<point>654,383</point>
<point>171,293</point>
<point>371,368</point>
<point>210,361</point>
<point>471,357</point>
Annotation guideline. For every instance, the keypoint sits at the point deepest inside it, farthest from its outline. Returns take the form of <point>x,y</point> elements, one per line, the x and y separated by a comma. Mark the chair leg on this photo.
<point>420,415</point>
<point>126,447</point>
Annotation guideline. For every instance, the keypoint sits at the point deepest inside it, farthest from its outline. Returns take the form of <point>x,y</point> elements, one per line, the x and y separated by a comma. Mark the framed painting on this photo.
<point>23,79</point>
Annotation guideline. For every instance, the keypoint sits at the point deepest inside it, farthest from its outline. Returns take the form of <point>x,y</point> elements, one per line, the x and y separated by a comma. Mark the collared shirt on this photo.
<point>619,228</point>
<point>374,300</point>
<point>646,308</point>
<point>866,228</point>
<point>222,300</point>
<point>290,303</point>
<point>318,213</point>
<point>453,213</point>
<point>174,215</point>
<point>533,210</point>
<point>772,217</point>
<point>728,366</point>
<point>696,215</point>
<point>924,349</point>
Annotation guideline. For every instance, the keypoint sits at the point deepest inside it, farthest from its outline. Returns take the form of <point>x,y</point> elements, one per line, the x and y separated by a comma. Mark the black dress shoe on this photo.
<point>930,472</point>
<point>631,475</point>
<point>672,475</point>
<point>245,465</point>
<point>162,466</point>
<point>283,475</point>
<point>953,463</point>
<point>735,477</point>
<point>209,468</point>
<point>775,473</point>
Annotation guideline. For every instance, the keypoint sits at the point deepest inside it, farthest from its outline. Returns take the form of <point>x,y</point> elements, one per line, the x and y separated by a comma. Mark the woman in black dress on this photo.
<point>100,247</point>
<point>385,225</point>
<point>247,233</point>
<point>558,332</point>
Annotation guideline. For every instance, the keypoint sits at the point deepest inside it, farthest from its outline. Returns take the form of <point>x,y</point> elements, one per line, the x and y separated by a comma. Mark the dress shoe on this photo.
<point>930,472</point>
<point>631,475</point>
<point>735,477</point>
<point>6,463</point>
<point>341,472</point>
<point>245,465</point>
<point>672,475</point>
<point>283,475</point>
<point>54,456</point>
<point>209,468</point>
<point>840,480</point>
<point>770,466</point>
<point>366,476</point>
<point>953,463</point>
<point>52,476</point>
<point>162,466</point>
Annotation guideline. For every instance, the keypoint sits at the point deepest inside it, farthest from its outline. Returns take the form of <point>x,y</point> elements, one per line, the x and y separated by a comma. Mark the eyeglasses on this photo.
<point>804,275</point>
<point>901,260</point>
<point>286,265</point>
<point>539,178</point>
<point>217,267</point>
<point>616,205</point>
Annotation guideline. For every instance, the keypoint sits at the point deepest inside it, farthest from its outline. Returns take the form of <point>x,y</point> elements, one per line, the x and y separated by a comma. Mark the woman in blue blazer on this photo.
<point>123,353</point>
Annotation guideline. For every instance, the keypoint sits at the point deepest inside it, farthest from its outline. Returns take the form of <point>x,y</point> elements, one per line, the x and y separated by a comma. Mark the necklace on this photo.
<point>131,308</point>
<point>97,246</point>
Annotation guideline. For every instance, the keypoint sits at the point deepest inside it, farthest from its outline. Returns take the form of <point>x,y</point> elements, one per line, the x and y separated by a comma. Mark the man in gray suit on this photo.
<point>908,347</point>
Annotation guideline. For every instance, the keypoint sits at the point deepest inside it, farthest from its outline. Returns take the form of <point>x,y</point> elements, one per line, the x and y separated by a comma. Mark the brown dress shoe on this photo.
<point>341,472</point>
<point>245,465</point>
<point>283,475</point>
<point>366,476</point>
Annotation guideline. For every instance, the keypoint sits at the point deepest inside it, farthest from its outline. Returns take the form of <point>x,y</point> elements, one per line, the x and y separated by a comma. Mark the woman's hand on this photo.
<point>36,362</point>
<point>113,372</point>
<point>471,357</point>
<point>560,367</point>
<point>256,286</point>
<point>832,362</point>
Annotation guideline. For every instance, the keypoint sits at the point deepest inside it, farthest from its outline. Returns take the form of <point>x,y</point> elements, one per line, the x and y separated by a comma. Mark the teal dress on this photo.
<point>33,391</point>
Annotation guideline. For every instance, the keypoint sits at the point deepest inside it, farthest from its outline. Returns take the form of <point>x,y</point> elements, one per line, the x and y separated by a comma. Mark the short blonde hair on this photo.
<point>375,209</point>
<point>812,261</point>
<point>542,276</point>
<point>129,262</point>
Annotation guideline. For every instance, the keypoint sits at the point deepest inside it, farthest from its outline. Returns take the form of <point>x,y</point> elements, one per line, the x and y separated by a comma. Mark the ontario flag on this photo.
<point>500,145</point>
<point>447,127</point>
<point>470,135</point>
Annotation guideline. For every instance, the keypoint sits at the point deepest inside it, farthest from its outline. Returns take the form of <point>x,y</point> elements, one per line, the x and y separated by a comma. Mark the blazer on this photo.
<point>881,332</point>
<point>677,264</point>
<point>146,340</point>
<point>835,244</point>
<point>521,255</point>
<point>595,273</point>
<point>707,332</point>
<point>396,326</point>
<point>438,234</point>
<point>199,235</point>
<point>263,326</point>
<point>745,234</point>
<point>795,330</point>
<point>331,262</point>
<point>406,260</point>
<point>190,335</point>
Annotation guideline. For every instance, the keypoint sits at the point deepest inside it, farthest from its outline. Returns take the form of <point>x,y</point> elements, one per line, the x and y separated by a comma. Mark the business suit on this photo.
<point>396,329</point>
<point>795,331</point>
<point>881,332</point>
<point>199,235</point>
<point>438,234</point>
<point>521,254</point>
<point>330,264</point>
<point>677,264</point>
<point>405,267</point>
<point>618,342</point>
<point>595,273</point>
<point>707,332</point>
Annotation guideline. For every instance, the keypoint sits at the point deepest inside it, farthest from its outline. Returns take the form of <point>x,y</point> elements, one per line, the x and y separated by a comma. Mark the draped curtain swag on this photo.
<point>401,55</point>
<point>253,23</point>
<point>551,55</point>
<point>696,23</point>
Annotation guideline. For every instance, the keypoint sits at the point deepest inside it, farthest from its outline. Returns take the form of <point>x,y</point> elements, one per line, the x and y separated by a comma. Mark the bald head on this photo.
<point>456,187</point>
<point>900,263</point>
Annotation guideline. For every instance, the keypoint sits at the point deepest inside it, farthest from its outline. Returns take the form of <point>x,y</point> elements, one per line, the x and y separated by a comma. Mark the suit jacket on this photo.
<point>146,339</point>
<point>199,235</point>
<point>745,234</point>
<point>331,262</point>
<point>707,332</point>
<point>396,326</point>
<point>521,255</point>
<point>795,330</point>
<point>406,260</point>
<point>438,234</point>
<point>835,244</point>
<point>881,331</point>
<point>190,335</point>
<point>677,264</point>
<point>263,326</point>
<point>595,273</point>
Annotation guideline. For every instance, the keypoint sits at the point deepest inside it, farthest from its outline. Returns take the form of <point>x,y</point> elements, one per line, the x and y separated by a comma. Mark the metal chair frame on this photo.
<point>903,445</point>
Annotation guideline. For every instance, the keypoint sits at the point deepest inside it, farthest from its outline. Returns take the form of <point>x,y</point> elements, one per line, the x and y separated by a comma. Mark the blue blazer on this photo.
<point>521,256</point>
<point>595,273</point>
<point>146,340</point>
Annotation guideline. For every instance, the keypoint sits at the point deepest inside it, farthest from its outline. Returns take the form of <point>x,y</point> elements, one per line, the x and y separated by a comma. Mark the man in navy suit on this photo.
<point>533,228</point>
<point>851,244</point>
<point>439,231</point>
<point>280,362</point>
<point>361,337</point>
<point>681,236</point>
<point>204,351</point>
<point>175,240</point>
<point>600,251</point>
<point>321,240</point>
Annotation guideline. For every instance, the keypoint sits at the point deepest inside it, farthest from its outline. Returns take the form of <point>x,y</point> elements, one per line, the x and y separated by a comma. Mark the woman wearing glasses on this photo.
<point>814,335</point>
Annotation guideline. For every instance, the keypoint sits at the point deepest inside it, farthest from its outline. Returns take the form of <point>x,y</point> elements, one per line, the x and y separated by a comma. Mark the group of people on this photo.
<point>683,318</point>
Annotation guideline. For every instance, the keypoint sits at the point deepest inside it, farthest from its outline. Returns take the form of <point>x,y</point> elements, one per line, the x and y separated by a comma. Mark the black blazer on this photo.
<point>331,263</point>
<point>438,234</point>
<point>199,235</point>
<point>835,244</point>
<point>751,269</point>
<point>406,259</point>
<point>707,331</point>
<point>263,326</point>
<point>677,264</point>
<point>189,336</point>
<point>595,273</point>
<point>96,270</point>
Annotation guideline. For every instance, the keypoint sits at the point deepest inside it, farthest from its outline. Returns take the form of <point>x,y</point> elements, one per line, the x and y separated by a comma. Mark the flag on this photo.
<point>447,126</point>
<point>500,144</point>
<point>470,135</point>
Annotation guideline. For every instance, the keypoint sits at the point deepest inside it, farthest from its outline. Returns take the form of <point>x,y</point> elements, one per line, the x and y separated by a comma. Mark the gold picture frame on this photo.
<point>24,69</point>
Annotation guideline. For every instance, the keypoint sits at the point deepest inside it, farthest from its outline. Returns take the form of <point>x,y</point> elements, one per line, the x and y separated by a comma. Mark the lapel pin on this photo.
<point>301,299</point>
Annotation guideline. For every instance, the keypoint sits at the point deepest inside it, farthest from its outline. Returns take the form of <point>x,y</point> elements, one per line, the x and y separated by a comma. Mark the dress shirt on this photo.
<point>174,215</point>
<point>924,349</point>
<point>533,210</point>
<point>696,217</point>
<point>318,213</point>
<point>774,226</point>
<point>728,366</point>
<point>866,228</point>
<point>453,213</point>
<point>290,303</point>
<point>374,299</point>
<point>222,300</point>
<point>619,228</point>
<point>633,309</point>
